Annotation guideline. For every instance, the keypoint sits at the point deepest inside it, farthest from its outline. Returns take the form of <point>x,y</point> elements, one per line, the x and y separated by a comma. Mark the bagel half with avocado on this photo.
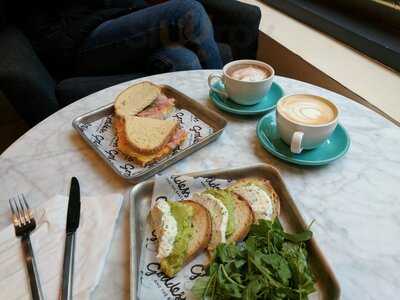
<point>260,195</point>
<point>183,230</point>
<point>231,217</point>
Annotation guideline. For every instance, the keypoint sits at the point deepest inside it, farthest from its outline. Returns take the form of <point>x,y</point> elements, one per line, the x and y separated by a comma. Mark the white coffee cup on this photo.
<point>305,121</point>
<point>241,91</point>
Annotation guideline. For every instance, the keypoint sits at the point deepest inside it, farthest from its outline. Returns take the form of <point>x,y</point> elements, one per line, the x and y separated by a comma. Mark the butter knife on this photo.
<point>73,216</point>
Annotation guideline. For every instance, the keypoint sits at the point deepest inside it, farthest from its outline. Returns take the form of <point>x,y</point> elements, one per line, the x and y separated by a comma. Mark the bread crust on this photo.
<point>265,185</point>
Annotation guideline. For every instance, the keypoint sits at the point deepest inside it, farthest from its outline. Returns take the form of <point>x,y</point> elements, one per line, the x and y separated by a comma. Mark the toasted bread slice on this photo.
<point>201,222</point>
<point>223,211</point>
<point>200,236</point>
<point>238,187</point>
<point>146,159</point>
<point>219,218</point>
<point>147,135</point>
<point>243,220</point>
<point>136,98</point>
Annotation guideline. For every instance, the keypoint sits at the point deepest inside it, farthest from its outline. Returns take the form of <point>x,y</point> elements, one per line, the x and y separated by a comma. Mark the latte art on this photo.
<point>249,73</point>
<point>307,110</point>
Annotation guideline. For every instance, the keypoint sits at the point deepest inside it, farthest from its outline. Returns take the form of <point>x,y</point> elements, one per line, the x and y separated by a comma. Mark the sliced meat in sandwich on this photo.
<point>159,109</point>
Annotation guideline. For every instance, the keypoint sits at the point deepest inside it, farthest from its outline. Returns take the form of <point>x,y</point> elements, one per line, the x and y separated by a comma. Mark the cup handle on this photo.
<point>295,144</point>
<point>219,77</point>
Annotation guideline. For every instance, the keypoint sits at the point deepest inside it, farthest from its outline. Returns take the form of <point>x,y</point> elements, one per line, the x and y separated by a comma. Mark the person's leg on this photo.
<point>127,40</point>
<point>171,59</point>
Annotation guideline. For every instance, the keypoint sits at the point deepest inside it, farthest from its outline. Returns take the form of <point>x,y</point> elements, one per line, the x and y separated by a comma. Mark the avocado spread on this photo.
<point>228,201</point>
<point>183,215</point>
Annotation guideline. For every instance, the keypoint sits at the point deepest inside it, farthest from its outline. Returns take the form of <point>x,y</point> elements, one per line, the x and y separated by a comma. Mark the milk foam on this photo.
<point>249,73</point>
<point>307,109</point>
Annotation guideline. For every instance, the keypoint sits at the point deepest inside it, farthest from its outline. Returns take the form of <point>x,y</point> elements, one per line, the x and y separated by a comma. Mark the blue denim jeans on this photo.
<point>171,36</point>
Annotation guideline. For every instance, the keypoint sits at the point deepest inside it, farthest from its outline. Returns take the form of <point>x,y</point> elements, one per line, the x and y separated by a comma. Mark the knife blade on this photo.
<point>74,206</point>
<point>73,217</point>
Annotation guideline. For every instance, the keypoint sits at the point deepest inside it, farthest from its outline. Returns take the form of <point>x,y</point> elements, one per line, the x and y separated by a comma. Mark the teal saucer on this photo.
<point>267,103</point>
<point>333,148</point>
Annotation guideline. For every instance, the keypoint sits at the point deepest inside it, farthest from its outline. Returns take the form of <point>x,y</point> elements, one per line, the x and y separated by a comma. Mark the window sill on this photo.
<point>377,84</point>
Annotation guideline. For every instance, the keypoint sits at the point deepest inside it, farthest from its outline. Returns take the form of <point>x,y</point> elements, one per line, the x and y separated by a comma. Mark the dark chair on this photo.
<point>35,93</point>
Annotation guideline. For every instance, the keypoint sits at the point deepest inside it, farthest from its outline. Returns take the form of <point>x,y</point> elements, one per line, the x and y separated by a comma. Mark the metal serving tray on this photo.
<point>120,163</point>
<point>290,218</point>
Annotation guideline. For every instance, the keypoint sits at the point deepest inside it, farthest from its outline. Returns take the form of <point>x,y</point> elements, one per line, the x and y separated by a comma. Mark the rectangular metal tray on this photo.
<point>211,118</point>
<point>290,218</point>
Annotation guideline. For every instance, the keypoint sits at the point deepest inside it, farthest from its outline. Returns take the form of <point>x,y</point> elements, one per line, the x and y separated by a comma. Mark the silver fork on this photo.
<point>24,224</point>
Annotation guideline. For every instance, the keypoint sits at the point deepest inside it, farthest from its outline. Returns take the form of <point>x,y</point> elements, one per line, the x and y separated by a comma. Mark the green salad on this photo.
<point>269,264</point>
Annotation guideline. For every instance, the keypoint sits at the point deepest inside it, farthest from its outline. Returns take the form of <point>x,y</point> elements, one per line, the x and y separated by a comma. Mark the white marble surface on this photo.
<point>355,201</point>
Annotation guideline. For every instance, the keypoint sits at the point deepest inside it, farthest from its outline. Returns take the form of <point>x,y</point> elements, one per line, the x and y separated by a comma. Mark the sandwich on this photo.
<point>260,195</point>
<point>143,133</point>
<point>183,230</point>
<point>147,140</point>
<point>231,217</point>
<point>144,99</point>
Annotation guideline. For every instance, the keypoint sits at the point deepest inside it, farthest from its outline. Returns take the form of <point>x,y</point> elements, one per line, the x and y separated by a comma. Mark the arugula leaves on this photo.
<point>269,264</point>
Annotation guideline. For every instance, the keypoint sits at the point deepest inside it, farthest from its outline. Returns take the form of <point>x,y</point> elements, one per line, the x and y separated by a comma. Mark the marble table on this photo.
<point>355,200</point>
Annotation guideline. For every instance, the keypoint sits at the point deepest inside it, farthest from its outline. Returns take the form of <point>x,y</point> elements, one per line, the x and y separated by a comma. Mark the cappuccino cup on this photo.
<point>305,121</point>
<point>245,81</point>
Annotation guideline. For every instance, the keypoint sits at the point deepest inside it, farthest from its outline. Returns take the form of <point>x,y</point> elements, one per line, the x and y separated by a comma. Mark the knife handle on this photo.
<point>68,267</point>
<point>34,281</point>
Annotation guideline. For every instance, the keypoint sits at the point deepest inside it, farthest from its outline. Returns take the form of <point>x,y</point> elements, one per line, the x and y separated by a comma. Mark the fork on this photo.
<point>24,224</point>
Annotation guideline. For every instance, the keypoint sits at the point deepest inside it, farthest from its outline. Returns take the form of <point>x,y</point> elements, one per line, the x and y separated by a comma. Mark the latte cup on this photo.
<point>242,92</point>
<point>305,125</point>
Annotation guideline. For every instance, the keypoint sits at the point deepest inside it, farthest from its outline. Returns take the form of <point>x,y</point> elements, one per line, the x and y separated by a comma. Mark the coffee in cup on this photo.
<point>305,121</point>
<point>248,72</point>
<point>245,81</point>
<point>308,110</point>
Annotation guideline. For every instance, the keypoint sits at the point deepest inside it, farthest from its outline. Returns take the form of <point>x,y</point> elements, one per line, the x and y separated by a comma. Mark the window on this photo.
<point>370,26</point>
